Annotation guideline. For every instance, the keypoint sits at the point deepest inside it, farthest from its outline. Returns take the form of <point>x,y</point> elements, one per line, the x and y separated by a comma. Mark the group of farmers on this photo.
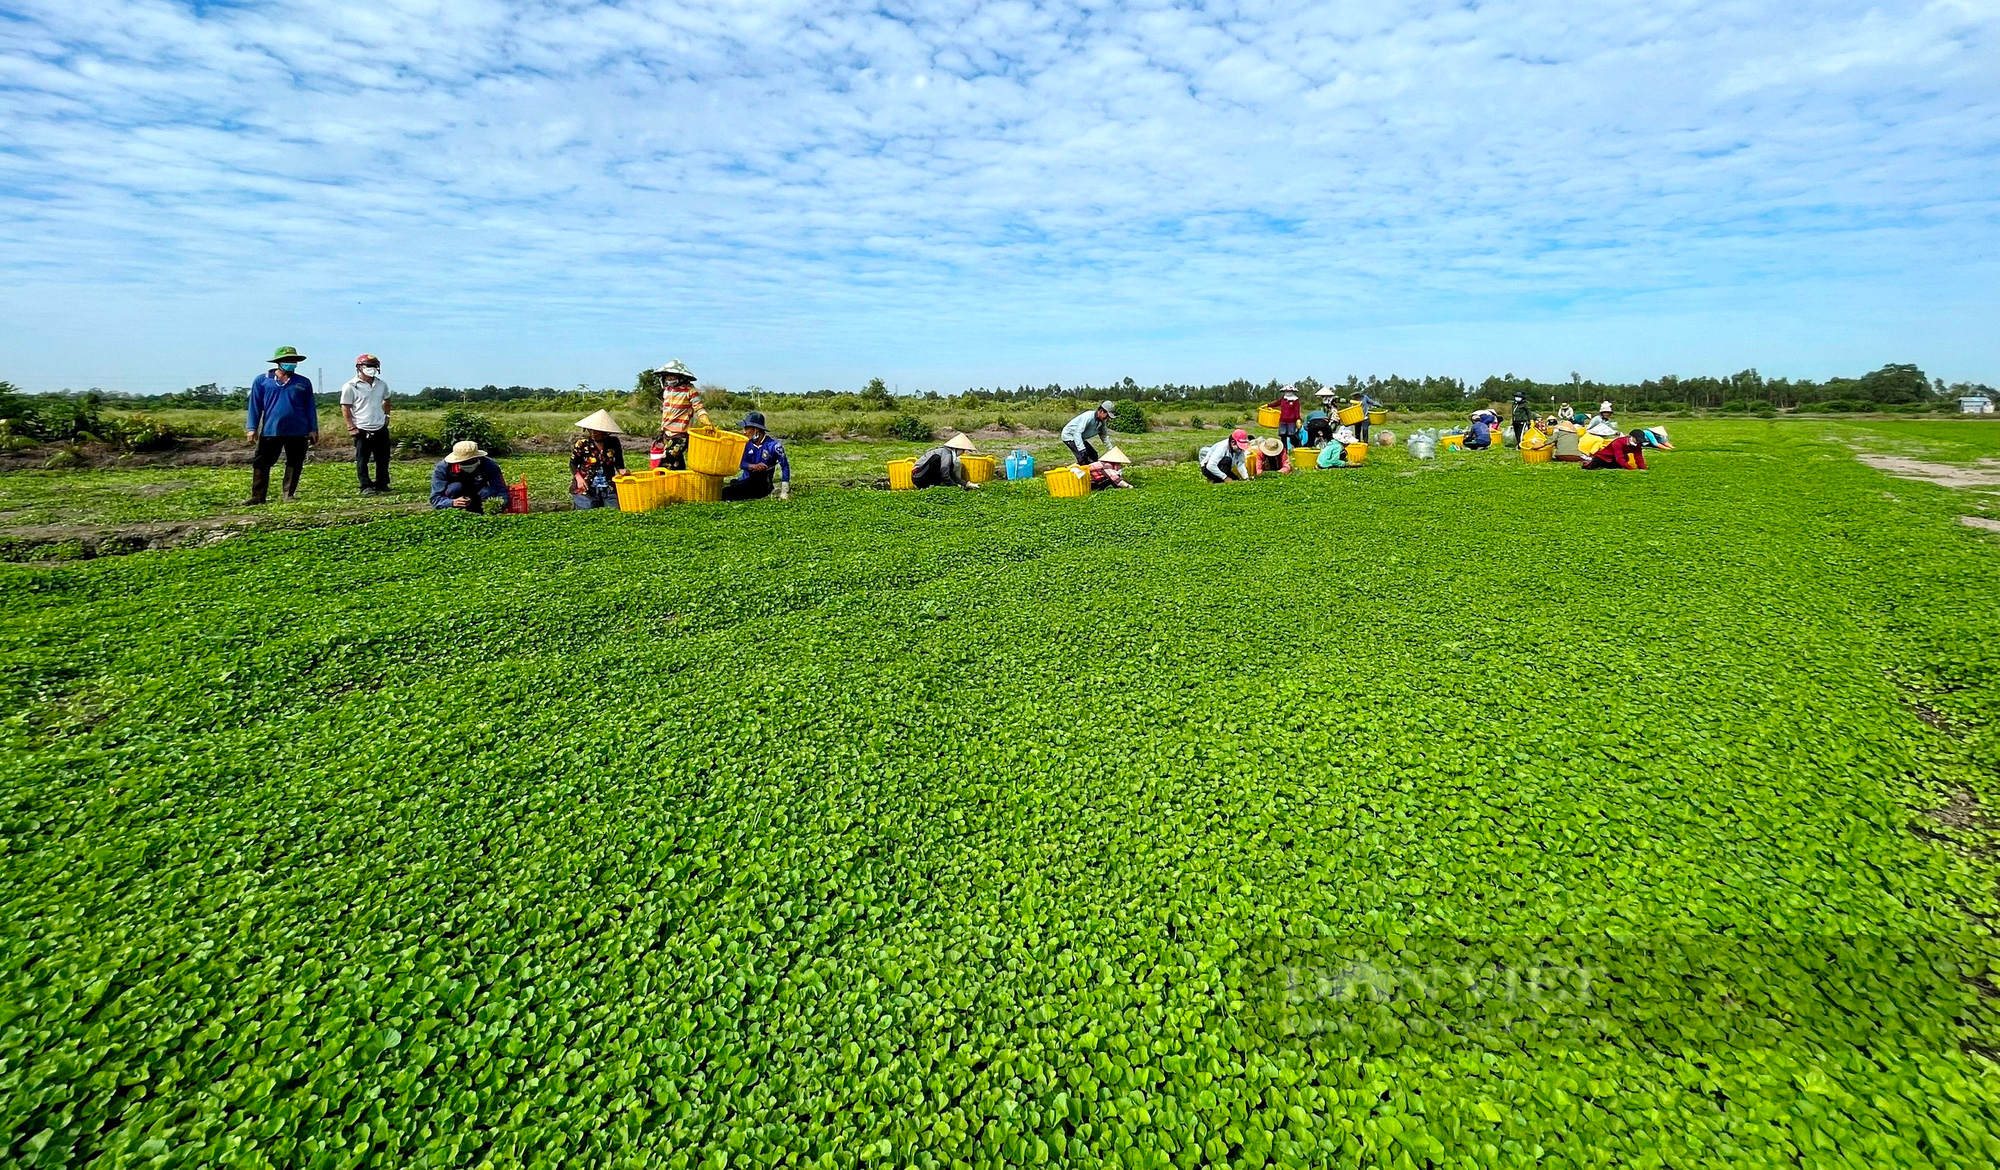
<point>282,418</point>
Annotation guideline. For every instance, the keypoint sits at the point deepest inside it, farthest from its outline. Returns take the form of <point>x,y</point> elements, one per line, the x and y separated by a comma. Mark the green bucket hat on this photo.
<point>286,353</point>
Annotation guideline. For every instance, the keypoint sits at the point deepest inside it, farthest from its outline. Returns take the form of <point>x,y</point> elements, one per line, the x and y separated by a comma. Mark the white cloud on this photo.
<point>798,194</point>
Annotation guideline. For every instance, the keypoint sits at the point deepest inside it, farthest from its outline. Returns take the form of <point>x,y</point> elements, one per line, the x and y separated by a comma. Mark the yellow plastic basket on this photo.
<point>714,452</point>
<point>692,487</point>
<point>628,492</point>
<point>1538,454</point>
<point>1068,483</point>
<point>1305,459</point>
<point>1452,443</point>
<point>1356,453</point>
<point>1353,413</point>
<point>1377,417</point>
<point>899,474</point>
<point>1267,415</point>
<point>978,468</point>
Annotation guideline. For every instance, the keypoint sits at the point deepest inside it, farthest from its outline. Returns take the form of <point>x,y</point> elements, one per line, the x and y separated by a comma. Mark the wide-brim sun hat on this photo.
<point>754,419</point>
<point>1115,456</point>
<point>959,442</point>
<point>285,353</point>
<point>1604,408</point>
<point>1270,447</point>
<point>464,451</point>
<point>1327,392</point>
<point>601,421</point>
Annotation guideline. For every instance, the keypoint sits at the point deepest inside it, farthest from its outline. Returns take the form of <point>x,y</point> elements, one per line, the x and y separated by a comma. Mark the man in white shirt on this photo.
<point>364,404</point>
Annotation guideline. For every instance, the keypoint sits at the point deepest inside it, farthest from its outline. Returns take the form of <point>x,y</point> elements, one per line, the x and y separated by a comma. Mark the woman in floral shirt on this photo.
<point>593,460</point>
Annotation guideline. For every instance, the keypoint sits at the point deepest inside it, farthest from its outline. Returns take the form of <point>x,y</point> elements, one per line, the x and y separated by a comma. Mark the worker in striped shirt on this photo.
<point>680,405</point>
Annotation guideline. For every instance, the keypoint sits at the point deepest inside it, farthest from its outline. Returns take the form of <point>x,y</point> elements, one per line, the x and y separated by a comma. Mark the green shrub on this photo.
<point>909,426</point>
<point>1129,419</point>
<point>458,424</point>
<point>143,432</point>
<point>1734,406</point>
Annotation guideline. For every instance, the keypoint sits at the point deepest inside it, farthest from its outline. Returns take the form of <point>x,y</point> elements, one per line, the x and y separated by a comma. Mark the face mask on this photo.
<point>289,367</point>
<point>371,371</point>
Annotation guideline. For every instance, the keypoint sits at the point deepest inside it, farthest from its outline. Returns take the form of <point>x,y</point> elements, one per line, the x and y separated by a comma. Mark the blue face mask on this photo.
<point>289,367</point>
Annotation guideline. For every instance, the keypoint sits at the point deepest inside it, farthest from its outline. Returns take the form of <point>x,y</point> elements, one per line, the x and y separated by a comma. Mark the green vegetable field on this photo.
<point>1464,815</point>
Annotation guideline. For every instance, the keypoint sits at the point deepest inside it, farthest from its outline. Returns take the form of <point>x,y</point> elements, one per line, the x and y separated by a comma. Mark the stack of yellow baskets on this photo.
<point>712,456</point>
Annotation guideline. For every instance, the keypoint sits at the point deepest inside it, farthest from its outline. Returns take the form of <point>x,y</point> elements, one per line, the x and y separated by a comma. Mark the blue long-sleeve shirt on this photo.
<point>766,451</point>
<point>286,408</point>
<point>479,479</point>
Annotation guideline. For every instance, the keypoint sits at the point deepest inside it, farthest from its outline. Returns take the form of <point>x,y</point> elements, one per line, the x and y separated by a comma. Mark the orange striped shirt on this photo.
<point>677,407</point>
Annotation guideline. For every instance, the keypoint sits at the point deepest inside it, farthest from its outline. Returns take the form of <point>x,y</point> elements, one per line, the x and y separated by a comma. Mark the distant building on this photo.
<point>1977,404</point>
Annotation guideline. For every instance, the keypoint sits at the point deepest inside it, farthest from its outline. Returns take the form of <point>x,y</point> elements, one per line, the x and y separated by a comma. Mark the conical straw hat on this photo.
<point>601,421</point>
<point>959,442</point>
<point>1115,455</point>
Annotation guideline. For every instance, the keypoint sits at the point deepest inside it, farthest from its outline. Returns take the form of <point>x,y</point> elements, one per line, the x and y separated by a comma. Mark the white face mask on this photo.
<point>371,371</point>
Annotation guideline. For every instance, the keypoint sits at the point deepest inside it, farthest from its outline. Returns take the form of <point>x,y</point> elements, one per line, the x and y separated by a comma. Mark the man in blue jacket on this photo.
<point>283,419</point>
<point>468,479</point>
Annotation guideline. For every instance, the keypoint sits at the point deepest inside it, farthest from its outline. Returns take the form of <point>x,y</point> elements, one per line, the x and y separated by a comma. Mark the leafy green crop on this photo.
<point>1182,826</point>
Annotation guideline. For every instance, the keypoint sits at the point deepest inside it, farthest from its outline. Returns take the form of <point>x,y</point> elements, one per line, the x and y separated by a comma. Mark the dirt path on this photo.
<point>1983,474</point>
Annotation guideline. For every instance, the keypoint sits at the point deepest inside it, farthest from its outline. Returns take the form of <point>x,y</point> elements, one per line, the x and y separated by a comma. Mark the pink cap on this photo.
<point>1239,435</point>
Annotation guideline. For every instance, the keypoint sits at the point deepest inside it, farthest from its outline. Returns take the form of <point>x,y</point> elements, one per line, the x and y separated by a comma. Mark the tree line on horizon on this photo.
<point>1892,386</point>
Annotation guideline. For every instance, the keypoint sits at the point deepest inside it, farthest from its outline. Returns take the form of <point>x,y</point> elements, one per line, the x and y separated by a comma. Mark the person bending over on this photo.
<point>468,480</point>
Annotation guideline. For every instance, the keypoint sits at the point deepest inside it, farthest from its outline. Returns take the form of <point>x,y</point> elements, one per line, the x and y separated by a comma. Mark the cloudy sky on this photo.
<point>804,194</point>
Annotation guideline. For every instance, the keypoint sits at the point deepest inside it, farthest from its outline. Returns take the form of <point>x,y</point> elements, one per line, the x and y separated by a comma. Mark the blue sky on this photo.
<point>805,194</point>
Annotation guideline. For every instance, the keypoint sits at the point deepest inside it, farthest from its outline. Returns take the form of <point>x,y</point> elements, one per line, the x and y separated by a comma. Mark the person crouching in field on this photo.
<point>1272,458</point>
<point>1622,453</point>
<point>1109,472</point>
<point>1226,459</point>
<point>467,479</point>
<point>283,419</point>
<point>942,467</point>
<point>594,460</point>
<point>762,456</point>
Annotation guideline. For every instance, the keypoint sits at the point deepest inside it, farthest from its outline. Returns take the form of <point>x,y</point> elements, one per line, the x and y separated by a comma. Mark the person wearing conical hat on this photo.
<point>1319,424</point>
<point>1108,471</point>
<point>364,407</point>
<point>942,467</point>
<point>680,405</point>
<point>594,460</point>
<point>1288,416</point>
<point>468,480</point>
<point>282,418</point>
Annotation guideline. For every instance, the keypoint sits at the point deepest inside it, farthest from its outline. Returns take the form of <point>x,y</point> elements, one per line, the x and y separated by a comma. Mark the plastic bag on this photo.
<point>517,496</point>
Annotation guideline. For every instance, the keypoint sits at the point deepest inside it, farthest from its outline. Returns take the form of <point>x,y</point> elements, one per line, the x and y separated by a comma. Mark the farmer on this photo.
<point>1602,426</point>
<point>1288,416</point>
<point>1319,424</point>
<point>680,404</point>
<point>1108,472</point>
<point>364,407</point>
<point>1092,423</point>
<point>1272,457</point>
<point>283,419</point>
<point>1227,459</point>
<point>1521,417</point>
<point>762,454</point>
<point>594,459</point>
<point>1367,403</point>
<point>1479,435</point>
<point>467,479</point>
<point>1621,452</point>
<point>941,466</point>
